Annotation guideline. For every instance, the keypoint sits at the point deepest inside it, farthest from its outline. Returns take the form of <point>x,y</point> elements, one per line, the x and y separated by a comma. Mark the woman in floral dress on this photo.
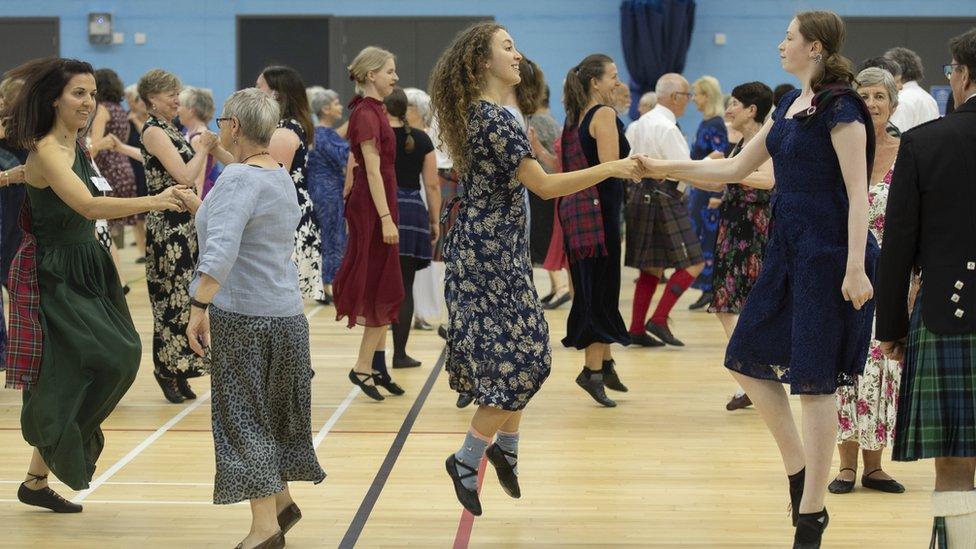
<point>289,146</point>
<point>498,341</point>
<point>867,411</point>
<point>171,237</point>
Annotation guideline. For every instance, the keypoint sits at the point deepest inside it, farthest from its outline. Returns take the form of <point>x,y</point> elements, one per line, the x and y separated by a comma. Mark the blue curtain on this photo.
<point>656,35</point>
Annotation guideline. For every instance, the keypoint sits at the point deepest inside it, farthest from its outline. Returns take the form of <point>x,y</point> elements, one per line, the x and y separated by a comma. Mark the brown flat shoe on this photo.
<point>276,541</point>
<point>738,402</point>
<point>288,517</point>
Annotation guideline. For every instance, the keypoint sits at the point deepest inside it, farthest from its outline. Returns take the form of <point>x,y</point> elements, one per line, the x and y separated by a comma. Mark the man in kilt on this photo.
<point>930,225</point>
<point>659,231</point>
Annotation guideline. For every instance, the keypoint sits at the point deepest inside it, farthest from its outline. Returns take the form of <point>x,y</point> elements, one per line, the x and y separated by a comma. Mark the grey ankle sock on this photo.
<point>470,454</point>
<point>509,443</point>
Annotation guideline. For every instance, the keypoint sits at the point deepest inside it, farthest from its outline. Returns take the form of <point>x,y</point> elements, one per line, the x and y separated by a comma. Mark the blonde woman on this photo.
<point>711,141</point>
<point>368,287</point>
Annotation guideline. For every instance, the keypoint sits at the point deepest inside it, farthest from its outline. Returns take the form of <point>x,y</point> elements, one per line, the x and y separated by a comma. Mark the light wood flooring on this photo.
<point>669,467</point>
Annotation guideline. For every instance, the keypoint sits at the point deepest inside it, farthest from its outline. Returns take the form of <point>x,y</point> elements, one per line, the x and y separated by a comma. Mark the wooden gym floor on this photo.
<point>669,467</point>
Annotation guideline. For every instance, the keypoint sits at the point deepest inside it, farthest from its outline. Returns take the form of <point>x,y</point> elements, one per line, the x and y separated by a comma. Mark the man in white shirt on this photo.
<point>915,105</point>
<point>659,232</point>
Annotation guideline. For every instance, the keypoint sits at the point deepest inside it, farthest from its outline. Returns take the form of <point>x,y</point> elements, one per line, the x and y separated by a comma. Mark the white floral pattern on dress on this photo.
<point>308,237</point>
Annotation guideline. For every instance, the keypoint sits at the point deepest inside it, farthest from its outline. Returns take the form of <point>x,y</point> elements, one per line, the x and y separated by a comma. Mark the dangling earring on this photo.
<point>818,58</point>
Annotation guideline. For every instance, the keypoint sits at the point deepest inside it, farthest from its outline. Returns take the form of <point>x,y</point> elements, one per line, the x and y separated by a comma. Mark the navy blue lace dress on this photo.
<point>795,326</point>
<point>498,339</point>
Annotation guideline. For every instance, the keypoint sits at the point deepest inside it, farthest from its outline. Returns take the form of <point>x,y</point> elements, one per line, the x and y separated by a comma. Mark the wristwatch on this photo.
<point>198,304</point>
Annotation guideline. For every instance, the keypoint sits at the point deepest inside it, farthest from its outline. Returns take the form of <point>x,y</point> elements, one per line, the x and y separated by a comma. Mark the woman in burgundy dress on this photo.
<point>368,288</point>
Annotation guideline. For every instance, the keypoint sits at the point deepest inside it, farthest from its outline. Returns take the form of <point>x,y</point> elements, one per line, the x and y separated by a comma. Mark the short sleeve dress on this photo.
<point>498,339</point>
<point>368,288</point>
<point>796,327</point>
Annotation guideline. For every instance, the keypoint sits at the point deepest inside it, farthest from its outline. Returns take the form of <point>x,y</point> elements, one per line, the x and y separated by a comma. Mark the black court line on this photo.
<point>375,489</point>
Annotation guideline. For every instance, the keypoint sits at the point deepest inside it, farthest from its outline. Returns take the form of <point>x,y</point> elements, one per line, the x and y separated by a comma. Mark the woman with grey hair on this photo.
<point>867,410</point>
<point>246,291</point>
<point>195,111</point>
<point>326,176</point>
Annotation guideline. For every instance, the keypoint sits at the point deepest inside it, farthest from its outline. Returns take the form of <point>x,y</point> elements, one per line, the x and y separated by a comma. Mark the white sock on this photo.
<point>959,510</point>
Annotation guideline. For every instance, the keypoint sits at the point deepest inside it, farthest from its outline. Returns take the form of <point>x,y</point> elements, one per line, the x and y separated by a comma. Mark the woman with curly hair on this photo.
<point>498,340</point>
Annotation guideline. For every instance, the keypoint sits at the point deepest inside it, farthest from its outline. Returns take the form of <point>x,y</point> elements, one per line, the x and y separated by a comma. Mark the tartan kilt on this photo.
<point>659,231</point>
<point>937,399</point>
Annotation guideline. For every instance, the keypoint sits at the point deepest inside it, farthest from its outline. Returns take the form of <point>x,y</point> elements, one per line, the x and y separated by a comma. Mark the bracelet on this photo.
<point>385,215</point>
<point>198,304</point>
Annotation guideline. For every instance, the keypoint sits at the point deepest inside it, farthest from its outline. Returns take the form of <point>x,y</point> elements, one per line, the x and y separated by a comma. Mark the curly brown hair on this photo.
<point>455,85</point>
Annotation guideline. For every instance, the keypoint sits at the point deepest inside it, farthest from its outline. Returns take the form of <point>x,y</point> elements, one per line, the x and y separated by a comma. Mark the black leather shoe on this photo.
<point>288,517</point>
<point>386,382</point>
<point>703,302</point>
<point>405,361</point>
<point>595,389</point>
<point>557,302</point>
<point>809,529</point>
<point>838,486</point>
<point>506,471</point>
<point>360,380</point>
<point>126,289</point>
<point>463,400</point>
<point>170,390</point>
<point>663,333</point>
<point>45,497</point>
<point>644,340</point>
<point>890,486</point>
<point>467,498</point>
<point>326,299</point>
<point>548,297</point>
<point>610,378</point>
<point>737,402</point>
<point>183,386</point>
<point>796,492</point>
<point>421,324</point>
<point>442,331</point>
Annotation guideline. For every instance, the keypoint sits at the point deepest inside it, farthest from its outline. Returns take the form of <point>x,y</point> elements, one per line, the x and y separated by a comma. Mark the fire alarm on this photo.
<point>100,28</point>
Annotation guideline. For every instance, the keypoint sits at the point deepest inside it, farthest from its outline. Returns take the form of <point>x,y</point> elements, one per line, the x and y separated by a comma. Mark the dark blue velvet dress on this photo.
<point>711,137</point>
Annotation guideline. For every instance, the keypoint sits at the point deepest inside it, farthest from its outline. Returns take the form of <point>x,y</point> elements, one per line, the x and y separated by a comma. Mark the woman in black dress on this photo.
<point>594,321</point>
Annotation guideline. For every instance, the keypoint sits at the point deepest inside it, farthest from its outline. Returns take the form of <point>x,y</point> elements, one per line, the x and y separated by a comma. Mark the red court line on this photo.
<point>466,523</point>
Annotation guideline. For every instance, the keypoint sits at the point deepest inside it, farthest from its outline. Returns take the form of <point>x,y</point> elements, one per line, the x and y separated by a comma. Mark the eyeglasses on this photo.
<point>217,121</point>
<point>689,94</point>
<point>947,69</point>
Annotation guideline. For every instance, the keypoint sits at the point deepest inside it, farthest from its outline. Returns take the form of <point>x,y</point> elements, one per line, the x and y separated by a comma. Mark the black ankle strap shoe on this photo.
<point>809,529</point>
<point>45,497</point>
<point>468,498</point>
<point>506,471</point>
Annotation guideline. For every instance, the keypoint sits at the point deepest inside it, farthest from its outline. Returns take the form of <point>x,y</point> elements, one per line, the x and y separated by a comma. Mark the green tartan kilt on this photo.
<point>937,399</point>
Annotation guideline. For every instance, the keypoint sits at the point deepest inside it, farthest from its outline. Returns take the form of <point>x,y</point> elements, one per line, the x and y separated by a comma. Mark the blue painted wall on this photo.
<point>196,38</point>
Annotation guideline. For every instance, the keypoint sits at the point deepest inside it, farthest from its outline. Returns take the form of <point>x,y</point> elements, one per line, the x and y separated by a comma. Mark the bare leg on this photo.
<point>848,460</point>
<point>569,281</point>
<point>594,356</point>
<point>954,474</point>
<point>819,436</point>
<point>39,468</point>
<point>607,353</point>
<point>373,337</point>
<point>872,461</point>
<point>282,500</point>
<point>139,234</point>
<point>728,321</point>
<point>696,269</point>
<point>511,424</point>
<point>773,406</point>
<point>487,420</point>
<point>264,521</point>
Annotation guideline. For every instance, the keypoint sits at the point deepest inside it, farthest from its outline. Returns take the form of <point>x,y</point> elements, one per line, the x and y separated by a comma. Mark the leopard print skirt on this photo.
<point>261,379</point>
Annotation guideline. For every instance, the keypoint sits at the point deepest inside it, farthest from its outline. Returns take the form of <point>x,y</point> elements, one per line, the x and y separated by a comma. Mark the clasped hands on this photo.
<point>639,166</point>
<point>178,198</point>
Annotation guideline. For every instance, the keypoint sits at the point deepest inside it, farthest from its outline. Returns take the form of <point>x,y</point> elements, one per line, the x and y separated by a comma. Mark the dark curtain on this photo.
<point>656,35</point>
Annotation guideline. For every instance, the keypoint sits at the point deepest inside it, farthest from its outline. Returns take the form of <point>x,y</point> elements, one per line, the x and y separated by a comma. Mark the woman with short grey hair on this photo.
<point>195,111</point>
<point>326,175</point>
<point>246,291</point>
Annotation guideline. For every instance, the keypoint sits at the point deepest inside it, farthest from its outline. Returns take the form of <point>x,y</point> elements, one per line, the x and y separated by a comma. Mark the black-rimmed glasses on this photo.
<point>947,69</point>
<point>218,120</point>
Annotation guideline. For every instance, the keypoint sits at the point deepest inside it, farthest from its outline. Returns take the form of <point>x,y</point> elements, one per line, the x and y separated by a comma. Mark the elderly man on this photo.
<point>929,225</point>
<point>659,233</point>
<point>915,105</point>
<point>647,102</point>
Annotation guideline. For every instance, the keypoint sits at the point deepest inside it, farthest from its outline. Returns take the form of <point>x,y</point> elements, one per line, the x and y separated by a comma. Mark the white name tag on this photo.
<point>101,183</point>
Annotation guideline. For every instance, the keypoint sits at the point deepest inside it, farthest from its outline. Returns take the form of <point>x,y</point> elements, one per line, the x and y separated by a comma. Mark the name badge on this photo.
<point>101,183</point>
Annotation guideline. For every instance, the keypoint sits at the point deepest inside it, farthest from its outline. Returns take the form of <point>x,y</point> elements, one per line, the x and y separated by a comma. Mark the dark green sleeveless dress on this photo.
<point>91,350</point>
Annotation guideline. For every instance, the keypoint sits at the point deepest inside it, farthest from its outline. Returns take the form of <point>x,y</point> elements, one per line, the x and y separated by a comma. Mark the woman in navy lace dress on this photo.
<point>807,321</point>
<point>498,340</point>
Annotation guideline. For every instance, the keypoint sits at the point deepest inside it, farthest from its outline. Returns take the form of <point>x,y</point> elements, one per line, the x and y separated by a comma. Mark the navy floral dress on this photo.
<point>498,340</point>
<point>796,327</point>
<point>711,137</point>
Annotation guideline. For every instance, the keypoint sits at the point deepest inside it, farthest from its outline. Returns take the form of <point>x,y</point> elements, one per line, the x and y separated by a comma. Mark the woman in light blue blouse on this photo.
<point>246,291</point>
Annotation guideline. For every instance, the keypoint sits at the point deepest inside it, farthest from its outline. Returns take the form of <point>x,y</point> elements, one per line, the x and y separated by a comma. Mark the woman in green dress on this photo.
<point>74,349</point>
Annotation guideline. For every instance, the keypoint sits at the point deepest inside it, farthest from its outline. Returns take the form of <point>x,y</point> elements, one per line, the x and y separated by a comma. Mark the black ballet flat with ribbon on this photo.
<point>839,486</point>
<point>45,497</point>
<point>359,379</point>
<point>468,498</point>
<point>890,486</point>
<point>506,471</point>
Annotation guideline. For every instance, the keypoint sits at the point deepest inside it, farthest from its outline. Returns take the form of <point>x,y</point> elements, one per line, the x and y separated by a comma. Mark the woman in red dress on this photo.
<point>368,288</point>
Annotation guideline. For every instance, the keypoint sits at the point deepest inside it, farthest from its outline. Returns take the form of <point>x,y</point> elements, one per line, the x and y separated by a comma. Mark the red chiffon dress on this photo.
<point>368,288</point>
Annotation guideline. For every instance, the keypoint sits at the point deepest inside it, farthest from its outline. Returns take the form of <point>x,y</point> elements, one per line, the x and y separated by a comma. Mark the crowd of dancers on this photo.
<point>775,212</point>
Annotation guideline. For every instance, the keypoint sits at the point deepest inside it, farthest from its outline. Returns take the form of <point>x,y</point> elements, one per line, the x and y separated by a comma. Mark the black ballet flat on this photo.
<point>464,400</point>
<point>663,333</point>
<point>506,471</point>
<point>386,382</point>
<point>556,303</point>
<point>126,289</point>
<point>442,331</point>
<point>703,302</point>
<point>288,517</point>
<point>610,378</point>
<point>595,389</point>
<point>809,529</point>
<point>326,299</point>
<point>839,486</point>
<point>890,486</point>
<point>644,340</point>
<point>45,497</point>
<point>360,380</point>
<point>183,385</point>
<point>548,297</point>
<point>467,498</point>
<point>170,390</point>
<point>405,361</point>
